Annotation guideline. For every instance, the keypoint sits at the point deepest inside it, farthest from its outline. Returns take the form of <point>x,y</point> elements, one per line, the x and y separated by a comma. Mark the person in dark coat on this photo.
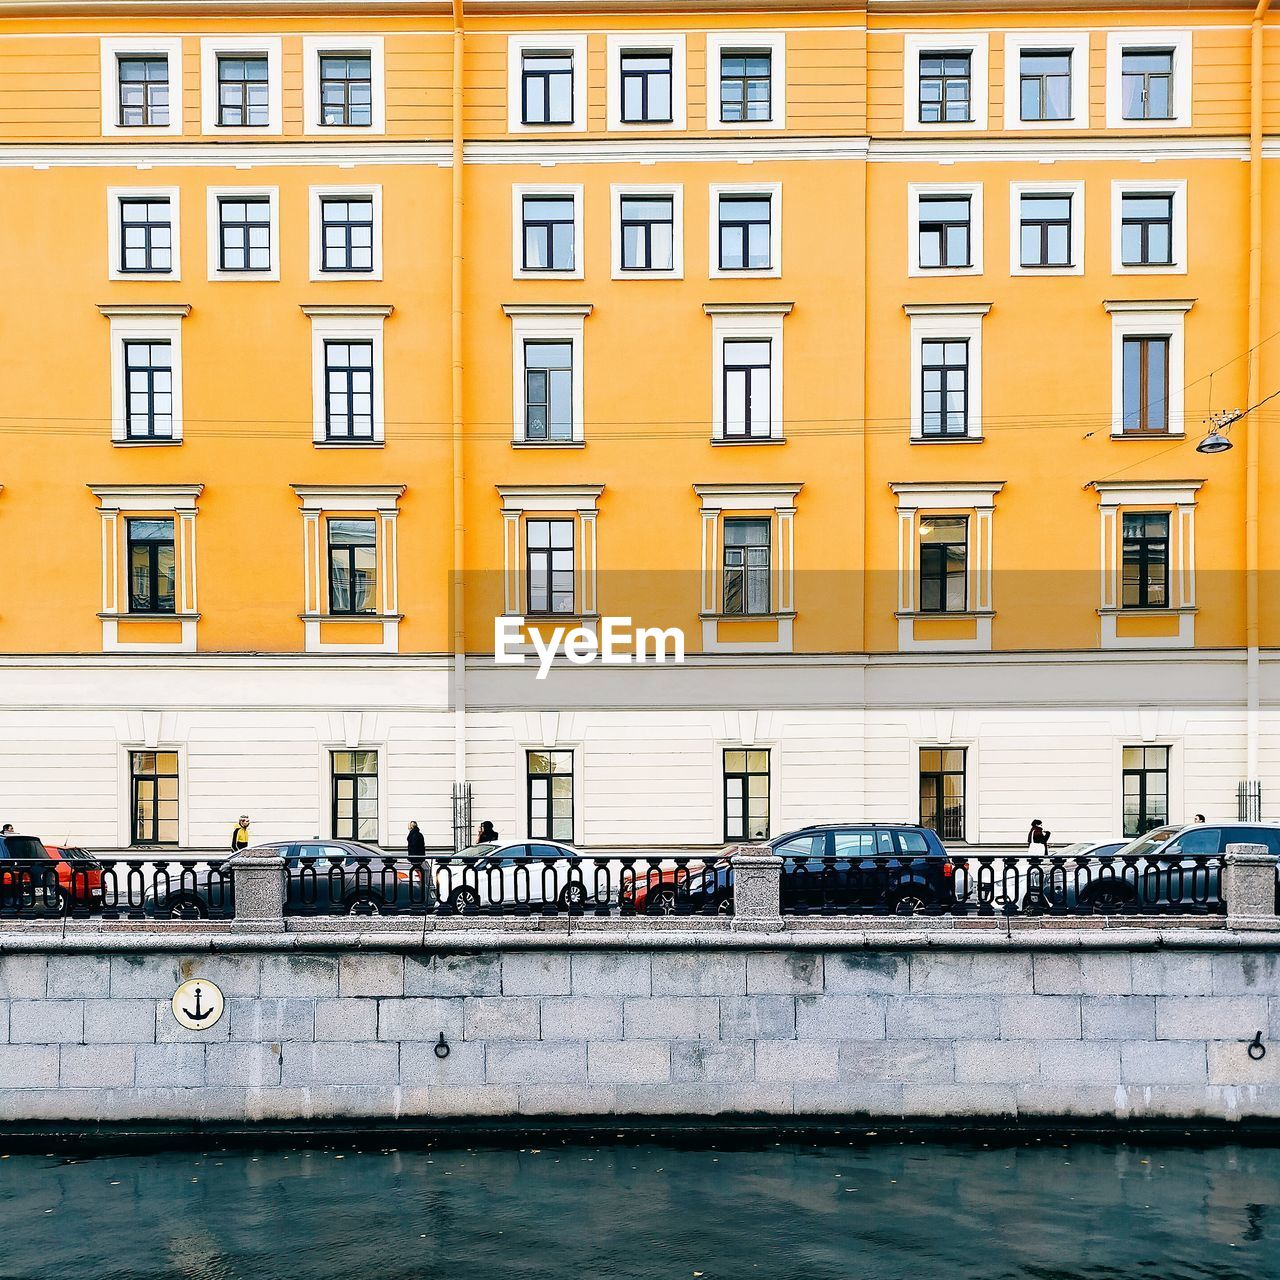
<point>1037,839</point>
<point>487,834</point>
<point>416,845</point>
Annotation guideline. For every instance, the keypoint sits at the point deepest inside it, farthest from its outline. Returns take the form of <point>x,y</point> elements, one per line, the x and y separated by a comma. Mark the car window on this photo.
<point>549,851</point>
<point>810,846</point>
<point>312,851</point>
<point>1198,840</point>
<point>1268,836</point>
<point>1106,850</point>
<point>25,847</point>
<point>853,844</point>
<point>476,850</point>
<point>1150,842</point>
<point>913,842</point>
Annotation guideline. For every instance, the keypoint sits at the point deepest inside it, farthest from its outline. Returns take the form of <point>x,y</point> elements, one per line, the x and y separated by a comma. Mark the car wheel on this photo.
<point>60,902</point>
<point>185,907</point>
<point>661,902</point>
<point>1108,897</point>
<point>362,904</point>
<point>724,906</point>
<point>1034,903</point>
<point>908,902</point>
<point>573,897</point>
<point>464,900</point>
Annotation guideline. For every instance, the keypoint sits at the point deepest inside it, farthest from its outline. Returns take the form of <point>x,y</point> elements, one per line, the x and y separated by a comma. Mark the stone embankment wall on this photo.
<point>723,1025</point>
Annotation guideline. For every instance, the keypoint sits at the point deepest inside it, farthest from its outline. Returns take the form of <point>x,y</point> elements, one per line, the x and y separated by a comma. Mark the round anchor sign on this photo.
<point>197,1004</point>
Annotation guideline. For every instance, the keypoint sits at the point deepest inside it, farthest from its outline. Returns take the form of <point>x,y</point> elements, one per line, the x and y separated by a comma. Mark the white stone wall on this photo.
<point>1028,1030</point>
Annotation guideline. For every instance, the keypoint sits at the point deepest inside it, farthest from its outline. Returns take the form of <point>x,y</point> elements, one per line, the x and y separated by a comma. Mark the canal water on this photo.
<point>874,1208</point>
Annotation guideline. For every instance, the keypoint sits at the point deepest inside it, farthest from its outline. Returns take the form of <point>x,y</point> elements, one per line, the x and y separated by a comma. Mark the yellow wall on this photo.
<point>648,383</point>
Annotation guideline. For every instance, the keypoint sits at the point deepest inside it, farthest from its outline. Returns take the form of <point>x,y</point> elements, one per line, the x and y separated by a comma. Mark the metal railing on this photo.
<point>359,886</point>
<point>117,888</point>
<point>988,885</point>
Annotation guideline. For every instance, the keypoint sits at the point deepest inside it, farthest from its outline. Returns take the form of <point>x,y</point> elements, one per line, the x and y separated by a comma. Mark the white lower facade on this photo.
<point>1038,735</point>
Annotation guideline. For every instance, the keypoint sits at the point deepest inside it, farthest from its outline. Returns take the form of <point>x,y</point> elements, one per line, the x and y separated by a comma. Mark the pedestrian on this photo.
<point>1199,817</point>
<point>1037,839</point>
<point>240,834</point>
<point>7,829</point>
<point>415,844</point>
<point>487,834</point>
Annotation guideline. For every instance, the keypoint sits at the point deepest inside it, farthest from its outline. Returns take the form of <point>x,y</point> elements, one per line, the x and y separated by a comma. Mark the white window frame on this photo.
<point>1076,43</point>
<point>675,190</point>
<point>1180,43</point>
<point>1177,187</point>
<point>110,50</point>
<point>1073,189</point>
<point>931,321</point>
<point>745,322</point>
<point>579,502</point>
<point>339,43</point>
<point>317,196</point>
<point>210,49</point>
<point>137,322</point>
<point>1157,316</point>
<point>214,223</point>
<point>517,46</point>
<point>550,322</point>
<point>973,190</point>
<point>114,196</point>
<point>518,192</point>
<point>338,324</point>
<point>976,45</point>
<point>775,42</point>
<point>773,191</point>
<point>647,42</point>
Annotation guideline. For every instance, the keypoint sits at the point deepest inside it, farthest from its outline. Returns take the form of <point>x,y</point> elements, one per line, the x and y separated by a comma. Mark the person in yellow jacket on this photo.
<point>240,834</point>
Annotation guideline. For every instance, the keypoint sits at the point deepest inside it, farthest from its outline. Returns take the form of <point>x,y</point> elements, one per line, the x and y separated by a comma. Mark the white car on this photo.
<point>534,873</point>
<point>1090,849</point>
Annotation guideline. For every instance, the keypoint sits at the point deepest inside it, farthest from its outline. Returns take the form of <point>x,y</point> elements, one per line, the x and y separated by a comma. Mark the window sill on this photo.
<point>555,617</point>
<point>1122,612</point>
<point>1149,435</point>
<point>350,444</point>
<point>737,444</point>
<point>948,439</point>
<point>945,613</point>
<point>548,444</point>
<point>776,616</point>
<point>146,444</point>
<point>126,616</point>
<point>351,617</point>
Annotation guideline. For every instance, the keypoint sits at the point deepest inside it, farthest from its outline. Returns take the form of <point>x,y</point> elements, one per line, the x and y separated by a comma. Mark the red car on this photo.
<point>79,875</point>
<point>659,890</point>
<point>41,879</point>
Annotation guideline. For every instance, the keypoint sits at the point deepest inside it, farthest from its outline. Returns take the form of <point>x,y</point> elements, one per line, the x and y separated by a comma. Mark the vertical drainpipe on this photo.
<point>459,641</point>
<point>1253,427</point>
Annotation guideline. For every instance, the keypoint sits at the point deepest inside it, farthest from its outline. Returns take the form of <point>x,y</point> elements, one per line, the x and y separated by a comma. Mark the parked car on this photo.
<point>79,876</point>
<point>1170,866</point>
<point>322,877</point>
<point>516,874</point>
<point>1090,849</point>
<point>895,867</point>
<point>663,888</point>
<point>36,879</point>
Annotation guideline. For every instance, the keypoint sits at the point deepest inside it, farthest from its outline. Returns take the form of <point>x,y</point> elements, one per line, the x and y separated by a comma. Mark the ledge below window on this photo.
<point>351,632</point>
<point>966,630</point>
<point>738,444</point>
<point>747,632</point>
<point>948,439</point>
<point>548,444</point>
<point>1173,628</point>
<point>148,632</point>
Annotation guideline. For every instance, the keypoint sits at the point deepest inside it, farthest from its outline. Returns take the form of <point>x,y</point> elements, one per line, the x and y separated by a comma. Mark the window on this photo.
<point>549,566</point>
<point>550,795</point>
<point>944,385</point>
<point>244,233</point>
<point>1044,230</point>
<point>646,80</point>
<point>746,86</point>
<point>943,231</point>
<point>548,232</point>
<point>1146,228</point>
<point>353,566</point>
<point>746,795</point>
<point>746,567</point>
<point>152,566</point>
<point>148,390</point>
<point>945,87</point>
<point>244,93</point>
<point>745,232</point>
<point>146,236</point>
<point>346,226</point>
<point>154,777</point>
<point>346,90</point>
<point>944,564</point>
<point>942,791</point>
<point>143,87</point>
<point>748,399</point>
<point>548,391</point>
<point>546,87</point>
<point>1146,789</point>
<point>1146,84</point>
<point>348,372</point>
<point>1144,580</point>
<point>1146,384</point>
<point>1044,84</point>
<point>355,795</point>
<point>647,229</point>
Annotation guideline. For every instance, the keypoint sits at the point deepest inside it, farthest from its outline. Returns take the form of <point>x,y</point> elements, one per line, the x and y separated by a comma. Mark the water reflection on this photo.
<point>878,1210</point>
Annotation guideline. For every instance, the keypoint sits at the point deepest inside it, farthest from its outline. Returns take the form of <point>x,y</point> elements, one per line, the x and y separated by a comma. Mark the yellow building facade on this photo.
<point>867,348</point>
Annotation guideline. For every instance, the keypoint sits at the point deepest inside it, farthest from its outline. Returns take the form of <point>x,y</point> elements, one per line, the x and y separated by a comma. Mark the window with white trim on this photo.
<point>1149,227</point>
<point>146,372</point>
<point>1046,80</point>
<point>347,375</point>
<point>747,369</point>
<point>549,549</point>
<point>546,82</point>
<point>945,231</point>
<point>648,232</point>
<point>143,233</point>
<point>646,81</point>
<point>241,85</point>
<point>549,565</point>
<point>243,233</point>
<point>946,371</point>
<point>1047,228</point>
<point>746,230</point>
<point>343,85</point>
<point>1147,367</point>
<point>141,79</point>
<point>547,373</point>
<point>346,233</point>
<point>945,82</point>
<point>546,226</point>
<point>1148,79</point>
<point>746,80</point>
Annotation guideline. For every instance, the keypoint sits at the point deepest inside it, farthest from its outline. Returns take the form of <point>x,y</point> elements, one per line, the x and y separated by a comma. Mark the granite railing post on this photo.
<point>1249,886</point>
<point>258,881</point>
<point>757,888</point>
